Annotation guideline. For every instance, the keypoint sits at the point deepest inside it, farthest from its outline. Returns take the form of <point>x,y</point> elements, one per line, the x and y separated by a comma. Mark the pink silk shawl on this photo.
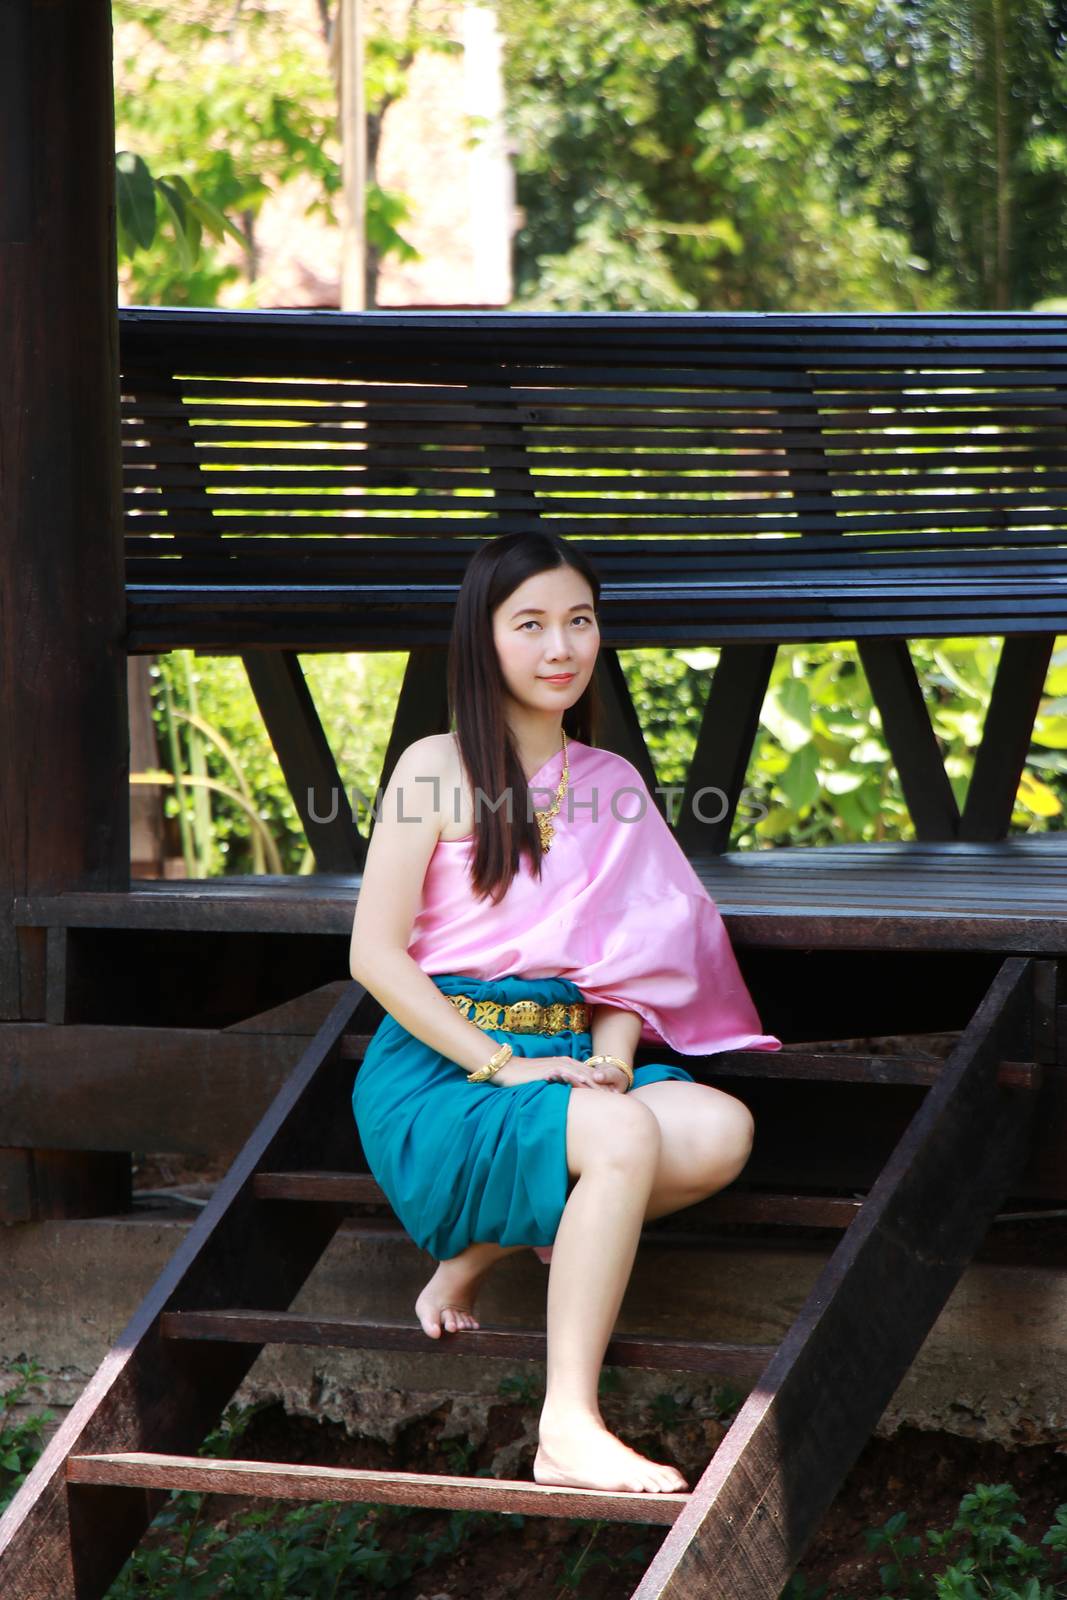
<point>618,910</point>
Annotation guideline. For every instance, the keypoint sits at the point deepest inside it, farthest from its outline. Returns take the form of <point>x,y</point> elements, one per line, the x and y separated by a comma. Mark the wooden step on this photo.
<point>514,1344</point>
<point>276,1480</point>
<point>732,1206</point>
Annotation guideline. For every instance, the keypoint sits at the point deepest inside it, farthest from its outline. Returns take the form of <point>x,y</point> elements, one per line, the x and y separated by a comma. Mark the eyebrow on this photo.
<point>537,611</point>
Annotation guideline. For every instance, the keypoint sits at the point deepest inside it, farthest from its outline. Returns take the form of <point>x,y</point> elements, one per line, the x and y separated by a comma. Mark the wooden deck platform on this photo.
<point>1009,897</point>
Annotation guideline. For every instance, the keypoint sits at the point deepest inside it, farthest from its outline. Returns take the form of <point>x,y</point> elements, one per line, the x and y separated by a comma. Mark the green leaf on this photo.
<point>215,221</point>
<point>778,822</point>
<point>787,715</point>
<point>800,781</point>
<point>843,782</point>
<point>135,198</point>
<point>173,181</point>
<point>1051,732</point>
<point>175,205</point>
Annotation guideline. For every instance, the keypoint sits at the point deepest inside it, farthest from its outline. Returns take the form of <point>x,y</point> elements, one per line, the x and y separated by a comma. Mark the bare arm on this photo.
<point>397,857</point>
<point>615,1032</point>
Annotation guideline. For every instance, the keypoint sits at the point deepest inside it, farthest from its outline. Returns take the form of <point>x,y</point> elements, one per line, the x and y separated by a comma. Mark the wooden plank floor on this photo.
<point>1009,896</point>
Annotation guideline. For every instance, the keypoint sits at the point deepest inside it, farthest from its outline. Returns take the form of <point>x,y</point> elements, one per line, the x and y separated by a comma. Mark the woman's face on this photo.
<point>545,627</point>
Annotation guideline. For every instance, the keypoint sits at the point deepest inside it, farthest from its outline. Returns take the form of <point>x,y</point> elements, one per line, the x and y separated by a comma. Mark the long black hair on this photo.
<point>476,701</point>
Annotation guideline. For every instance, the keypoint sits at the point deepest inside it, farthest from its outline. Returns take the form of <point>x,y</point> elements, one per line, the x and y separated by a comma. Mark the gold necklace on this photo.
<point>544,818</point>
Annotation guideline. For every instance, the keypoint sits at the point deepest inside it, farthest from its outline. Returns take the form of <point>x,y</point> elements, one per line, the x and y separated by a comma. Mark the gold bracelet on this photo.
<point>614,1061</point>
<point>498,1059</point>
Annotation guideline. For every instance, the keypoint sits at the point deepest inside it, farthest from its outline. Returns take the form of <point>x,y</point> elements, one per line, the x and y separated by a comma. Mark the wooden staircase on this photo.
<point>740,1531</point>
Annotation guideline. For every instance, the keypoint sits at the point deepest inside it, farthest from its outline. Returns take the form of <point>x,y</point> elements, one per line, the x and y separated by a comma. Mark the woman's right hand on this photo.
<point>555,1069</point>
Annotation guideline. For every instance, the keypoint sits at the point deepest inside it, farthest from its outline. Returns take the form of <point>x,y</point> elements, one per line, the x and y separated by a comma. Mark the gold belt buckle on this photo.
<point>525,1016</point>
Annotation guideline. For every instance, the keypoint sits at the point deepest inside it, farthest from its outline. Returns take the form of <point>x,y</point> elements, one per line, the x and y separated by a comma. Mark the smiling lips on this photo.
<point>559,677</point>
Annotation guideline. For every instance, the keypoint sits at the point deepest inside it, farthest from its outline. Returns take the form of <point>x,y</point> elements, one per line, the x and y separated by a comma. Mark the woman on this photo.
<point>532,934</point>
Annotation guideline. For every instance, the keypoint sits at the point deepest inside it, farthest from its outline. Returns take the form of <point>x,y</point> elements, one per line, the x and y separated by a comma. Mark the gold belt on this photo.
<point>523,1016</point>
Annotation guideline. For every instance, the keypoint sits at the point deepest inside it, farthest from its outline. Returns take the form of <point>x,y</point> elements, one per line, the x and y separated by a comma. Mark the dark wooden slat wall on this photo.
<point>397,416</point>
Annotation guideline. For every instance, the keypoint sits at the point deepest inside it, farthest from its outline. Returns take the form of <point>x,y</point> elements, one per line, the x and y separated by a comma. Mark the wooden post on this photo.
<point>353,155</point>
<point>64,770</point>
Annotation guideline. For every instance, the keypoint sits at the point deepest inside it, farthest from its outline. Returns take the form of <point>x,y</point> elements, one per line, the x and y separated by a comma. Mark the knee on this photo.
<point>728,1139</point>
<point>627,1133</point>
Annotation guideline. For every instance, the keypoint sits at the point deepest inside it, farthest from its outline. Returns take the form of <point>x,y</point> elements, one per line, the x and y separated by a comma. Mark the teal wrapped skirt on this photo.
<point>473,1162</point>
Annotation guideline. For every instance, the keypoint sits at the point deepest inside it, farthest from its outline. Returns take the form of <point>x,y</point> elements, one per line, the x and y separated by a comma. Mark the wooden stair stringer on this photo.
<point>151,1393</point>
<point>756,1506</point>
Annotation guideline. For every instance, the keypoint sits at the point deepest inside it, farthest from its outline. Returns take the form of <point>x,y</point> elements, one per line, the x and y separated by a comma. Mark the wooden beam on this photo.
<point>910,737</point>
<point>724,746</point>
<point>1009,724</point>
<point>303,750</point>
<point>64,805</point>
<point>64,784</point>
<point>187,1090</point>
<point>421,707</point>
<point>621,729</point>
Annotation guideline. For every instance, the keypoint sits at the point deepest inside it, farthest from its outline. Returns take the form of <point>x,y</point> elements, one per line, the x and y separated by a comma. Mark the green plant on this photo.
<point>20,1442</point>
<point>979,1556</point>
<point>520,1387</point>
<point>666,1409</point>
<point>318,1551</point>
<point>459,1454</point>
<point>576,1566</point>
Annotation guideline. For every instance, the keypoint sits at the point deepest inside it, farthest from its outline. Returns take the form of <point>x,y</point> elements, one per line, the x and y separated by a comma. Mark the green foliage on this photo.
<point>20,1442</point>
<point>140,196</point>
<point>317,1551</point>
<point>521,1387</point>
<point>575,1567</point>
<point>979,1556</point>
<point>810,156</point>
<point>233,793</point>
<point>666,1409</point>
<point>232,109</point>
<point>820,771</point>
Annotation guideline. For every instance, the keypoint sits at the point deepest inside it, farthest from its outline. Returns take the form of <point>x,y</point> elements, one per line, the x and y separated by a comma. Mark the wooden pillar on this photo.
<point>64,764</point>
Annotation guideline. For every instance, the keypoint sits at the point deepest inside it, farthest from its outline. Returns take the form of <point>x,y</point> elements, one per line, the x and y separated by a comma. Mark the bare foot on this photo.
<point>447,1302</point>
<point>582,1454</point>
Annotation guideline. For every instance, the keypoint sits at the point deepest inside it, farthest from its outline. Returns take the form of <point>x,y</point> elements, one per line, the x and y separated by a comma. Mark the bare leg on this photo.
<point>446,1304</point>
<point>706,1136</point>
<point>706,1139</point>
<point>615,1150</point>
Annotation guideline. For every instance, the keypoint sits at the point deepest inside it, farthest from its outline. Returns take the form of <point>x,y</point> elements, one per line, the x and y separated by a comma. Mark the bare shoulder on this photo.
<point>401,843</point>
<point>429,757</point>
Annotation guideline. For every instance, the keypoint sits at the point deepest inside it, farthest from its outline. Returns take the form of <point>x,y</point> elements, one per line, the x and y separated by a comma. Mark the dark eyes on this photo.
<point>526,624</point>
